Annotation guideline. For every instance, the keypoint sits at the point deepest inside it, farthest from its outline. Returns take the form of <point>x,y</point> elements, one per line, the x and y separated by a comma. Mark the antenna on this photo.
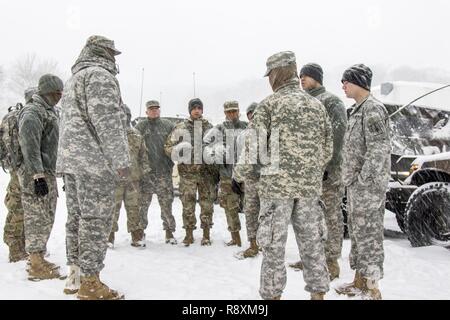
<point>142,92</point>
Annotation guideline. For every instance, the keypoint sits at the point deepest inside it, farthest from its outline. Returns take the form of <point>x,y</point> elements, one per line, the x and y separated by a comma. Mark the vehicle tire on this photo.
<point>428,214</point>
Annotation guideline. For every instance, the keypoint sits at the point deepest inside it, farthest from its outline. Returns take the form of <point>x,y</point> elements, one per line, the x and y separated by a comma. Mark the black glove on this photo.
<point>40,187</point>
<point>236,187</point>
<point>325,176</point>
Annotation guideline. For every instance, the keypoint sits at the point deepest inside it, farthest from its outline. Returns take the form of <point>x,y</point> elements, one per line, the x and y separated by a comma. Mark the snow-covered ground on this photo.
<point>163,271</point>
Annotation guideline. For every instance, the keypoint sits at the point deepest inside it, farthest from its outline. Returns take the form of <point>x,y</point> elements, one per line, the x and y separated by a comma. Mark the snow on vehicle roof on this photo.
<point>420,160</point>
<point>403,92</point>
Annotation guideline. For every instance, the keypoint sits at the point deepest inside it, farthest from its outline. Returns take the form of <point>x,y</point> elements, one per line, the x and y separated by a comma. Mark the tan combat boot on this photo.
<point>235,239</point>
<point>253,250</point>
<point>189,239</point>
<point>297,266</point>
<point>353,288</point>
<point>92,288</point>
<point>277,298</point>
<point>370,290</point>
<point>73,280</point>
<point>206,241</point>
<point>111,240</point>
<point>317,295</point>
<point>17,252</point>
<point>138,238</point>
<point>41,269</point>
<point>170,238</point>
<point>333,269</point>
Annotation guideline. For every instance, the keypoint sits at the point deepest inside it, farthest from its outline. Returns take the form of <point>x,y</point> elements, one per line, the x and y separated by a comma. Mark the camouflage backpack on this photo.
<point>10,153</point>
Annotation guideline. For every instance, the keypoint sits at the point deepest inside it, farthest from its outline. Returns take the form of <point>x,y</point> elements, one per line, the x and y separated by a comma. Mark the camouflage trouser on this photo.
<point>365,205</point>
<point>308,222</point>
<point>129,194</point>
<point>14,228</point>
<point>39,212</point>
<point>162,186</point>
<point>90,209</point>
<point>230,202</point>
<point>251,207</point>
<point>332,197</point>
<point>189,184</point>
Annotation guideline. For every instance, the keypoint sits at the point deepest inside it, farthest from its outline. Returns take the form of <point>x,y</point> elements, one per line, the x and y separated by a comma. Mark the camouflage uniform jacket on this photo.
<point>92,138</point>
<point>305,143</point>
<point>140,164</point>
<point>241,170</point>
<point>155,133</point>
<point>367,146</point>
<point>226,169</point>
<point>338,116</point>
<point>38,137</point>
<point>197,166</point>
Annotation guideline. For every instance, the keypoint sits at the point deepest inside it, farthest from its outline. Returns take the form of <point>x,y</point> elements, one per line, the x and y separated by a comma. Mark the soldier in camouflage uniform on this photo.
<point>290,184</point>
<point>129,191</point>
<point>251,198</point>
<point>224,148</point>
<point>311,76</point>
<point>93,156</point>
<point>365,173</point>
<point>38,138</point>
<point>14,234</point>
<point>155,132</point>
<point>195,175</point>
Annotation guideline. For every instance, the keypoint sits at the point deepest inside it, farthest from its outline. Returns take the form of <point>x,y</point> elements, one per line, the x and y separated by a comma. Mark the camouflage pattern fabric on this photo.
<point>251,207</point>
<point>190,184</point>
<point>230,202</point>
<point>14,224</point>
<point>90,207</point>
<point>307,218</point>
<point>128,193</point>
<point>38,137</point>
<point>155,133</point>
<point>332,194</point>
<point>140,164</point>
<point>366,171</point>
<point>39,212</point>
<point>92,136</point>
<point>162,186</point>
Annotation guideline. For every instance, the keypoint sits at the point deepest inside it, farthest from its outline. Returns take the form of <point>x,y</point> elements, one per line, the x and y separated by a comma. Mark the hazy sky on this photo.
<point>225,43</point>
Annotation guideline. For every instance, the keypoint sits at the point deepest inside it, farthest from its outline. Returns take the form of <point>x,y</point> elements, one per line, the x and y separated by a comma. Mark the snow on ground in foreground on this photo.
<point>163,271</point>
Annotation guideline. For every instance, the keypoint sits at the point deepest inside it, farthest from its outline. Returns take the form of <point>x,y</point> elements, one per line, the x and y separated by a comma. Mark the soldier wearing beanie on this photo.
<point>159,181</point>
<point>38,138</point>
<point>290,185</point>
<point>311,76</point>
<point>195,175</point>
<point>226,156</point>
<point>365,173</point>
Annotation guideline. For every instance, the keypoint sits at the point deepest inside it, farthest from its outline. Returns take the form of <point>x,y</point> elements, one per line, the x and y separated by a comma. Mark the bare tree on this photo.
<point>27,70</point>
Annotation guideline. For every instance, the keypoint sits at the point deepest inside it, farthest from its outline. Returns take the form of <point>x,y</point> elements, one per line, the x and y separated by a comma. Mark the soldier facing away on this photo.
<point>38,137</point>
<point>291,183</point>
<point>129,191</point>
<point>14,234</point>
<point>365,172</point>
<point>93,156</point>
<point>159,181</point>
<point>311,76</point>
<point>195,175</point>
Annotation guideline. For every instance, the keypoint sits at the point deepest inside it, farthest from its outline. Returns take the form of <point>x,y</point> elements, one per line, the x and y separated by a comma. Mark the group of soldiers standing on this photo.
<point>104,162</point>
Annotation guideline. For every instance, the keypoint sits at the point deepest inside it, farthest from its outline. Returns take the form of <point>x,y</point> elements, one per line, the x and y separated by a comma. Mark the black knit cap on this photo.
<point>314,71</point>
<point>360,75</point>
<point>196,102</point>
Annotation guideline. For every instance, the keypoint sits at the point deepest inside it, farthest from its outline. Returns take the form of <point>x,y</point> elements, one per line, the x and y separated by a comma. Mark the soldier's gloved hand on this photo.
<point>236,187</point>
<point>40,187</point>
<point>325,176</point>
<point>123,173</point>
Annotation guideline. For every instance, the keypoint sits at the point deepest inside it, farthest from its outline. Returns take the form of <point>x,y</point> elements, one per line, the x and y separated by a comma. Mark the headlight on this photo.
<point>413,168</point>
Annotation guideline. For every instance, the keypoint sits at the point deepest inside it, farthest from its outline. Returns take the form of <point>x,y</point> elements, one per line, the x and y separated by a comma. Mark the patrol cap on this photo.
<point>50,83</point>
<point>103,42</point>
<point>280,59</point>
<point>152,103</point>
<point>230,106</point>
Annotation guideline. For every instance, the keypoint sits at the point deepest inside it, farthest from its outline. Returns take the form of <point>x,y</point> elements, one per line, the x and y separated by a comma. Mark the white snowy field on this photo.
<point>167,272</point>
